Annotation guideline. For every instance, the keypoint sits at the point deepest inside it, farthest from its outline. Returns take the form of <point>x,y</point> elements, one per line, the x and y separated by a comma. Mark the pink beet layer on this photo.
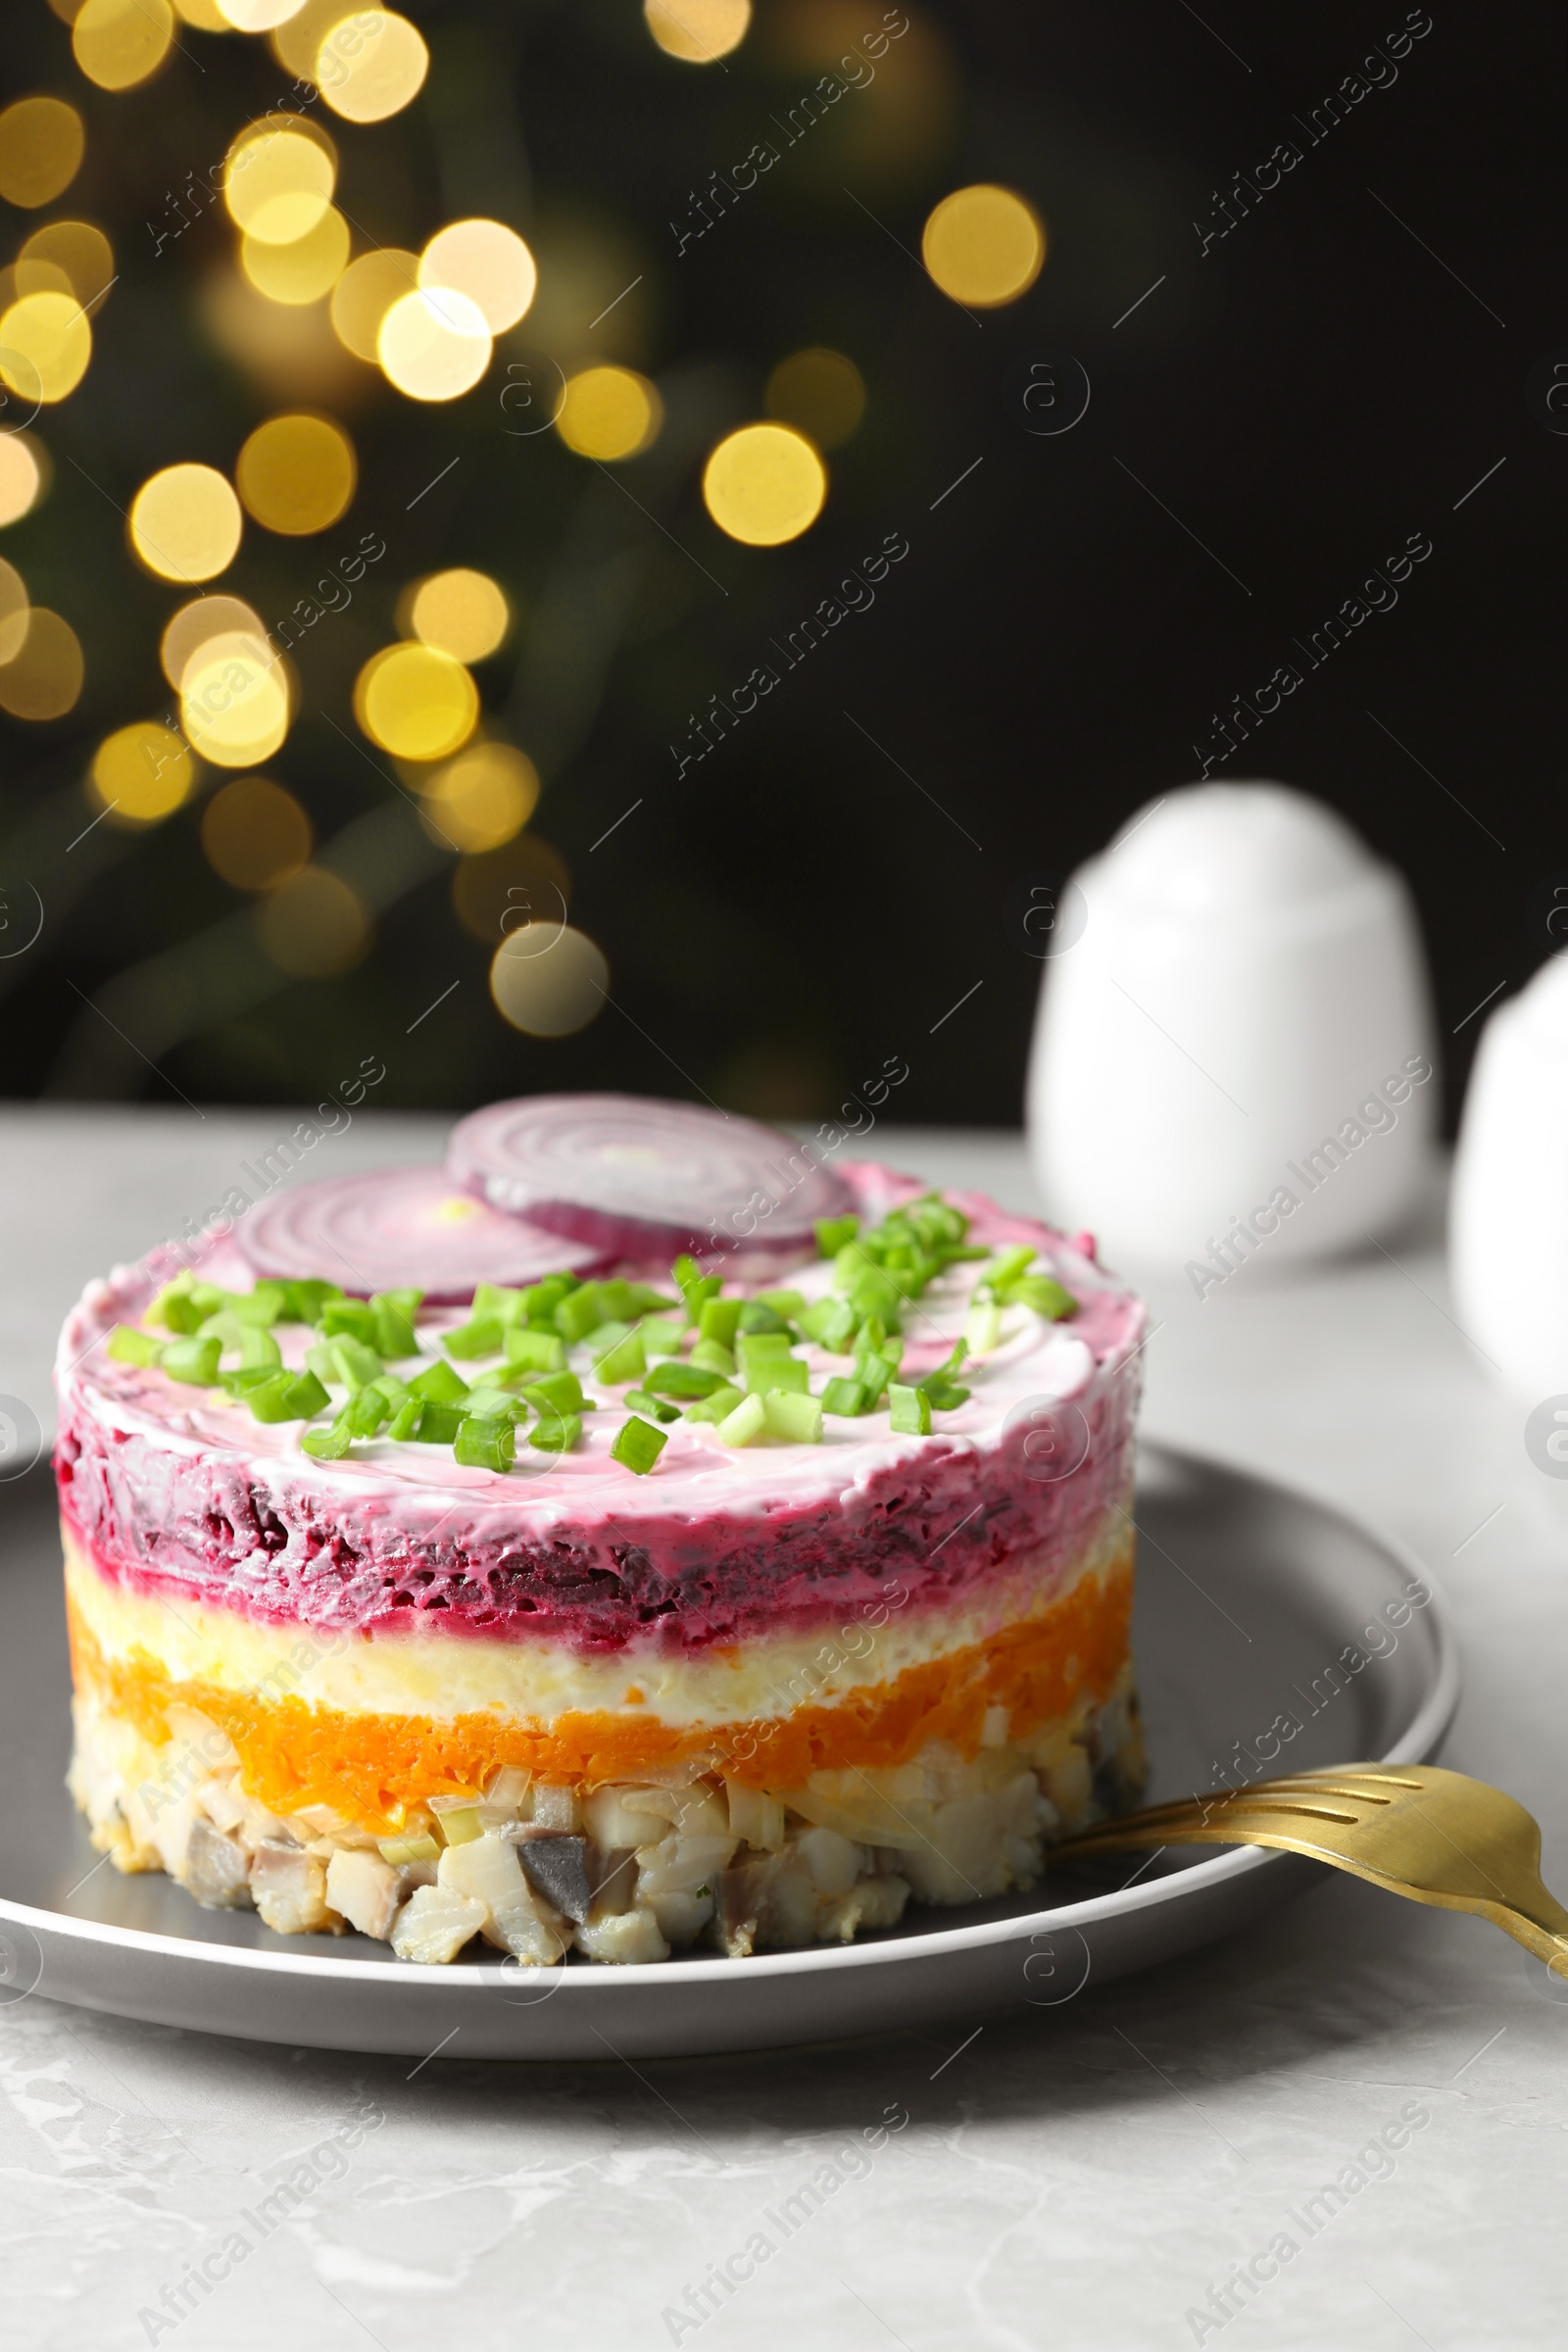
<point>176,1494</point>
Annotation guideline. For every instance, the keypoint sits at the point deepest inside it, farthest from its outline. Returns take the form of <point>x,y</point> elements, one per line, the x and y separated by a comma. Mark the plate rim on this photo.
<point>1418,1744</point>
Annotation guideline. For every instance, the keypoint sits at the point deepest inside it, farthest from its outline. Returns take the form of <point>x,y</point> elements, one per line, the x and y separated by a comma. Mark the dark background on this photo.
<point>1314,389</point>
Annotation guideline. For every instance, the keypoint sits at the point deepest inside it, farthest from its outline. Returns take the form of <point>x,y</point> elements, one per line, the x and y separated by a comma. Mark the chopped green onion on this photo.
<point>617,1354</point>
<point>637,1445</point>
<point>394,1313</point>
<point>719,1318</point>
<point>534,1350</point>
<point>756,1317</point>
<point>306,1302</point>
<point>834,1233</point>
<point>762,1347</point>
<point>788,1303</point>
<point>405,1421</point>
<point>286,1396</point>
<point>831,1323</point>
<point>439,1421</point>
<point>715,1408</point>
<point>351,1319</point>
<point>626,1302</point>
<point>714,1357</point>
<point>487,1403</point>
<point>909,1411</point>
<point>481,1336</point>
<point>541,1299</point>
<point>661,1334</point>
<point>191,1360</point>
<point>767,1374</point>
<point>401,1851</point>
<point>1043,1293</point>
<point>555,1433</point>
<point>328,1444</point>
<point>677,1379</point>
<point>263,1303</point>
<point>440,1383</point>
<point>257,1347</point>
<point>694,1286</point>
<point>365,1413</point>
<point>651,1408</point>
<point>321,1360</point>
<point>875,1293</point>
<point>483,1444</point>
<point>796,1417</point>
<point>580,1314</point>
<point>240,1383</point>
<point>509,1307</point>
<point>1008,1265</point>
<point>356,1365</point>
<point>391,1388</point>
<point>127,1345</point>
<point>982,1326</point>
<point>556,1392</point>
<point>844,1396</point>
<point>746,1422</point>
<point>174,1308</point>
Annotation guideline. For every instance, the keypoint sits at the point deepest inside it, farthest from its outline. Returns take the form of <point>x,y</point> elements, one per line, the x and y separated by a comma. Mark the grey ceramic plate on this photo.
<point>1249,1594</point>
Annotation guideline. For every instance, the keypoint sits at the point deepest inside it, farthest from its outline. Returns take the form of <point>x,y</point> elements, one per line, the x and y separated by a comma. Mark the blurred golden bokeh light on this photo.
<point>16,606</point>
<point>487,262</point>
<point>258,15</point>
<point>984,245</point>
<point>141,773</point>
<point>297,41</point>
<point>185,522</point>
<point>41,146</point>
<point>204,14</point>
<point>698,31</point>
<point>366,292</point>
<point>610,412</point>
<point>415,702</point>
<point>821,392</point>
<point>196,625</point>
<point>22,477</point>
<point>303,271</point>
<point>44,679</point>
<point>483,797</point>
<point>313,925</point>
<point>434,345</point>
<point>118,43</point>
<point>45,345</point>
<point>548,979</point>
<point>460,613</point>
<point>764,484</point>
<point>234,703</point>
<point>256,834</point>
<point>370,65</point>
<point>296,475</point>
<point>278,180</point>
<point>77,249</point>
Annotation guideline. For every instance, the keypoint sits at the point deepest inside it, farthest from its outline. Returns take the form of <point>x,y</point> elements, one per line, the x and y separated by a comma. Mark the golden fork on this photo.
<point>1437,1837</point>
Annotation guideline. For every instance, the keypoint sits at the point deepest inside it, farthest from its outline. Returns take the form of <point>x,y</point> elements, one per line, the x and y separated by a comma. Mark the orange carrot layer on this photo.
<point>368,1767</point>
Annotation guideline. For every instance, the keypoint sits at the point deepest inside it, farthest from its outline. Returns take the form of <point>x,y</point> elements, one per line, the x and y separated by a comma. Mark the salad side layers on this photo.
<point>613,1610</point>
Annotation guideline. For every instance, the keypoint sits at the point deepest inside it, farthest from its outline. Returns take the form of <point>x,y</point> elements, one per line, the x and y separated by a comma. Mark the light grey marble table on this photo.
<point>1076,2177</point>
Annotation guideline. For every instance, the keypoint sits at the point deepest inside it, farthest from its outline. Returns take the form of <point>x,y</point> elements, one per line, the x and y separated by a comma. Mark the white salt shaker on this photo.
<point>1508,1228</point>
<point>1233,1059</point>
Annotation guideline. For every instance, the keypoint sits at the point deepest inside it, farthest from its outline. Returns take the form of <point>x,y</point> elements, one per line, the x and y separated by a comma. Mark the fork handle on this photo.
<point>1544,1942</point>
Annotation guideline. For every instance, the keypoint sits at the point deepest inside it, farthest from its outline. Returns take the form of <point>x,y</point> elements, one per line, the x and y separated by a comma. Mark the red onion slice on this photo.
<point>644,1179</point>
<point>400,1227</point>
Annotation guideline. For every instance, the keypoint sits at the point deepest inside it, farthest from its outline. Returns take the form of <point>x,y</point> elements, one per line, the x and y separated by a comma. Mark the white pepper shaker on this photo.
<point>1509,1219</point>
<point>1233,1059</point>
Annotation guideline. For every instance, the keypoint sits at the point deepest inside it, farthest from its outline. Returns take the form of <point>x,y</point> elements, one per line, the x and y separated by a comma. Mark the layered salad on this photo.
<point>533,1554</point>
